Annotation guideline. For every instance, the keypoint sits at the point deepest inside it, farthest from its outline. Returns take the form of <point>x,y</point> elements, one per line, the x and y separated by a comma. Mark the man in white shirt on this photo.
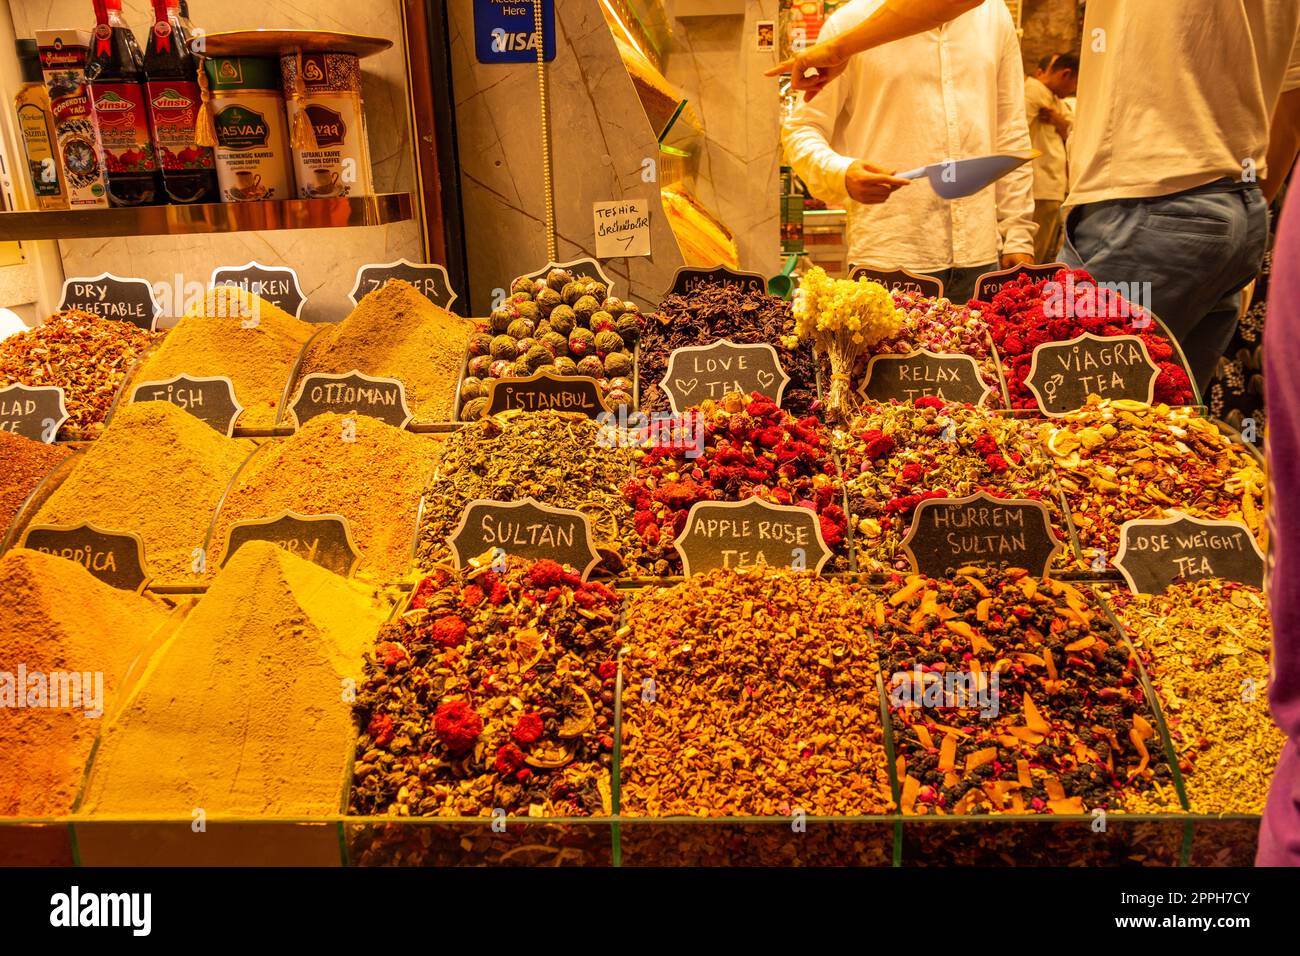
<point>1049,127</point>
<point>950,93</point>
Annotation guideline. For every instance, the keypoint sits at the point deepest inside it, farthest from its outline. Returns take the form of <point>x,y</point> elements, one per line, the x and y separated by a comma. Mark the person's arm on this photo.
<point>895,20</point>
<point>1283,144</point>
<point>1014,192</point>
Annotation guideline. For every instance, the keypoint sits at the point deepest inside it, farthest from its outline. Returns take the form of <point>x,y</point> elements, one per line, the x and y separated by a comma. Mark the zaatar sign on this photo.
<point>586,268</point>
<point>952,533</point>
<point>278,285</point>
<point>525,529</point>
<point>701,372</point>
<point>211,400</point>
<point>900,280</point>
<point>35,413</point>
<point>905,378</point>
<point>325,540</point>
<point>546,392</point>
<point>115,557</point>
<point>752,533</point>
<point>688,279</point>
<point>429,278</point>
<point>1153,553</point>
<point>1064,374</point>
<point>112,297</point>
<point>321,392</point>
<point>991,283</point>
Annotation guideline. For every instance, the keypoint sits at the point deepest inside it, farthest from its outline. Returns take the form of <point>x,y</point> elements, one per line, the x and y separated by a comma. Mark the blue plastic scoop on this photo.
<point>957,178</point>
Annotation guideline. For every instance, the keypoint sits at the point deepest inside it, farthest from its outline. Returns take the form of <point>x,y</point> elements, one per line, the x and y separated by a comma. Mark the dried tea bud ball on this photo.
<point>501,319</point>
<point>501,368</point>
<point>536,357</point>
<point>598,291</point>
<point>581,341</point>
<point>555,343</point>
<point>521,368</point>
<point>472,388</point>
<point>523,345</point>
<point>618,364</point>
<point>480,343</point>
<point>473,410</point>
<point>613,306</point>
<point>530,311</point>
<point>572,292</point>
<point>565,365</point>
<point>521,329</point>
<point>503,347</point>
<point>629,327</point>
<point>621,384</point>
<point>592,367</point>
<point>608,341</point>
<point>543,328</point>
<point>547,300</point>
<point>520,298</point>
<point>563,320</point>
<point>585,307</point>
<point>602,322</point>
<point>631,307</point>
<point>479,366</point>
<point>557,279</point>
<point>548,368</point>
<point>522,286</point>
<point>617,399</point>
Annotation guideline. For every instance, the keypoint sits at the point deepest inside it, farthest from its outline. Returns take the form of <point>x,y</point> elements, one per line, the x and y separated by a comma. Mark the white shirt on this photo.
<point>1049,169</point>
<point>951,93</point>
<point>1174,95</point>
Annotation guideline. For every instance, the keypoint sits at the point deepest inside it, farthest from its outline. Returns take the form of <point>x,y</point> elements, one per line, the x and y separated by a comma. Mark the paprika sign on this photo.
<point>1064,374</point>
<point>546,392</point>
<point>1153,553</point>
<point>322,392</point>
<point>525,529</point>
<point>701,372</point>
<point>112,297</point>
<point>991,283</point>
<point>905,378</point>
<point>952,533</point>
<point>688,279</point>
<point>751,534</point>
<point>278,285</point>
<point>115,557</point>
<point>211,400</point>
<point>900,280</point>
<point>325,540</point>
<point>429,278</point>
<point>35,413</point>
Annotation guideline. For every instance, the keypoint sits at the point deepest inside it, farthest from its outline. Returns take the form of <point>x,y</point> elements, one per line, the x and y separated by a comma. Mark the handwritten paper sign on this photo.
<point>748,534</point>
<point>278,285</point>
<point>429,278</point>
<point>525,529</point>
<point>991,283</point>
<point>115,557</point>
<point>905,378</point>
<point>321,392</point>
<point>112,297</point>
<point>900,280</point>
<point>952,533</point>
<point>210,399</point>
<point>1154,553</point>
<point>325,540</point>
<point>35,413</point>
<point>585,268</point>
<point>688,279</point>
<point>546,392</point>
<point>622,228</point>
<point>1064,374</point>
<point>701,372</point>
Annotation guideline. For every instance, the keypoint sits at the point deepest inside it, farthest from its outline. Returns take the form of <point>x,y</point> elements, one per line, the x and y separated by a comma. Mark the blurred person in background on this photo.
<point>1049,121</point>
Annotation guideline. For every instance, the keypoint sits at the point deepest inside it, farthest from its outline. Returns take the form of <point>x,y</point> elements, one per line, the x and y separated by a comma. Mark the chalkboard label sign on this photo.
<point>35,413</point>
<point>1154,553</point>
<point>429,278</point>
<point>525,529</point>
<point>581,268</point>
<point>322,392</point>
<point>991,283</point>
<point>115,557</point>
<point>112,297</point>
<point>701,372</point>
<point>688,279</point>
<point>905,378</point>
<point>325,540</point>
<point>1064,374</point>
<point>952,533</point>
<point>900,280</point>
<point>278,285</point>
<point>749,534</point>
<point>546,392</point>
<point>210,399</point>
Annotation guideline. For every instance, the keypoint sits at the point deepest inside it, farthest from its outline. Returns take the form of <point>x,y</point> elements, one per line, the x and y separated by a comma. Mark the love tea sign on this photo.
<point>701,372</point>
<point>748,534</point>
<point>546,392</point>
<point>112,297</point>
<point>278,285</point>
<point>952,533</point>
<point>687,280</point>
<point>525,529</point>
<point>1064,374</point>
<point>905,378</point>
<point>991,283</point>
<point>35,413</point>
<point>429,278</point>
<point>322,392</point>
<point>325,540</point>
<point>211,400</point>
<point>900,280</point>
<point>114,557</point>
<point>1155,553</point>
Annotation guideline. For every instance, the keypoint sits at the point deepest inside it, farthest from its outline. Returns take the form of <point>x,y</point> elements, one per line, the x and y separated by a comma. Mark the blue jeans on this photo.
<point>959,284</point>
<point>1198,249</point>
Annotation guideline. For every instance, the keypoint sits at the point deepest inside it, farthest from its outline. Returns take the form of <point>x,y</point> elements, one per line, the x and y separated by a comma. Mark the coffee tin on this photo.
<point>330,94</point>
<point>253,159</point>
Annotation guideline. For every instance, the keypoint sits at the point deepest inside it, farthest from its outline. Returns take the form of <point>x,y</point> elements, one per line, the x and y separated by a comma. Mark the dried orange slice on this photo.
<point>577,711</point>
<point>524,647</point>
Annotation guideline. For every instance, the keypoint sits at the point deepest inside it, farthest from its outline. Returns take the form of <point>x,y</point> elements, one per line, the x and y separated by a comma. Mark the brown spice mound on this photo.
<point>374,481</point>
<point>157,471</point>
<point>397,333</point>
<point>26,463</point>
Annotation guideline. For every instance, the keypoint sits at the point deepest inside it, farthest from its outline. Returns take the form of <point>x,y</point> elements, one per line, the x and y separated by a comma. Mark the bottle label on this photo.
<point>123,121</point>
<point>174,106</point>
<point>40,151</point>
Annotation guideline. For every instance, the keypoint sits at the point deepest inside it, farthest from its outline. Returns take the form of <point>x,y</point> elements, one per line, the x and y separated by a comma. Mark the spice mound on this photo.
<point>397,333</point>
<point>494,690</point>
<point>236,334</point>
<point>752,694</point>
<point>56,621</point>
<point>748,447</point>
<point>560,460</point>
<point>1206,647</point>
<point>242,709</point>
<point>88,357</point>
<point>1116,461</point>
<point>355,466</point>
<point>897,456</point>
<point>157,471</point>
<point>26,465</point>
<point>714,311</point>
<point>1015,695</point>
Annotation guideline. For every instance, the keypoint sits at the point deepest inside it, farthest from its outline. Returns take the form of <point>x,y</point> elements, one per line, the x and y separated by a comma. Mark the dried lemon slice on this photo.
<point>578,711</point>
<point>524,647</point>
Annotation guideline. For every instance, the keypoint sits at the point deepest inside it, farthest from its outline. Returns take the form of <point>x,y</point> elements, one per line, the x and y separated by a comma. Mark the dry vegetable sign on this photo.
<point>1154,553</point>
<point>1064,374</point>
<point>322,392</point>
<point>112,297</point>
<point>325,540</point>
<point>115,557</point>
<point>546,392</point>
<point>701,372</point>
<point>900,280</point>
<point>688,279</point>
<point>211,400</point>
<point>905,378</point>
<point>748,534</point>
<point>991,283</point>
<point>525,529</point>
<point>952,533</point>
<point>278,285</point>
<point>35,413</point>
<point>429,278</point>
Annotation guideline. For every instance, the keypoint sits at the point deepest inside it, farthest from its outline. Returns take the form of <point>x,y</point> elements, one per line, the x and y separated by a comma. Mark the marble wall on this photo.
<point>1051,26</point>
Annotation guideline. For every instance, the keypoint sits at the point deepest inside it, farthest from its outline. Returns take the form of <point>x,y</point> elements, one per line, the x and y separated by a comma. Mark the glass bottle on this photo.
<point>171,79</point>
<point>36,128</point>
<point>116,74</point>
